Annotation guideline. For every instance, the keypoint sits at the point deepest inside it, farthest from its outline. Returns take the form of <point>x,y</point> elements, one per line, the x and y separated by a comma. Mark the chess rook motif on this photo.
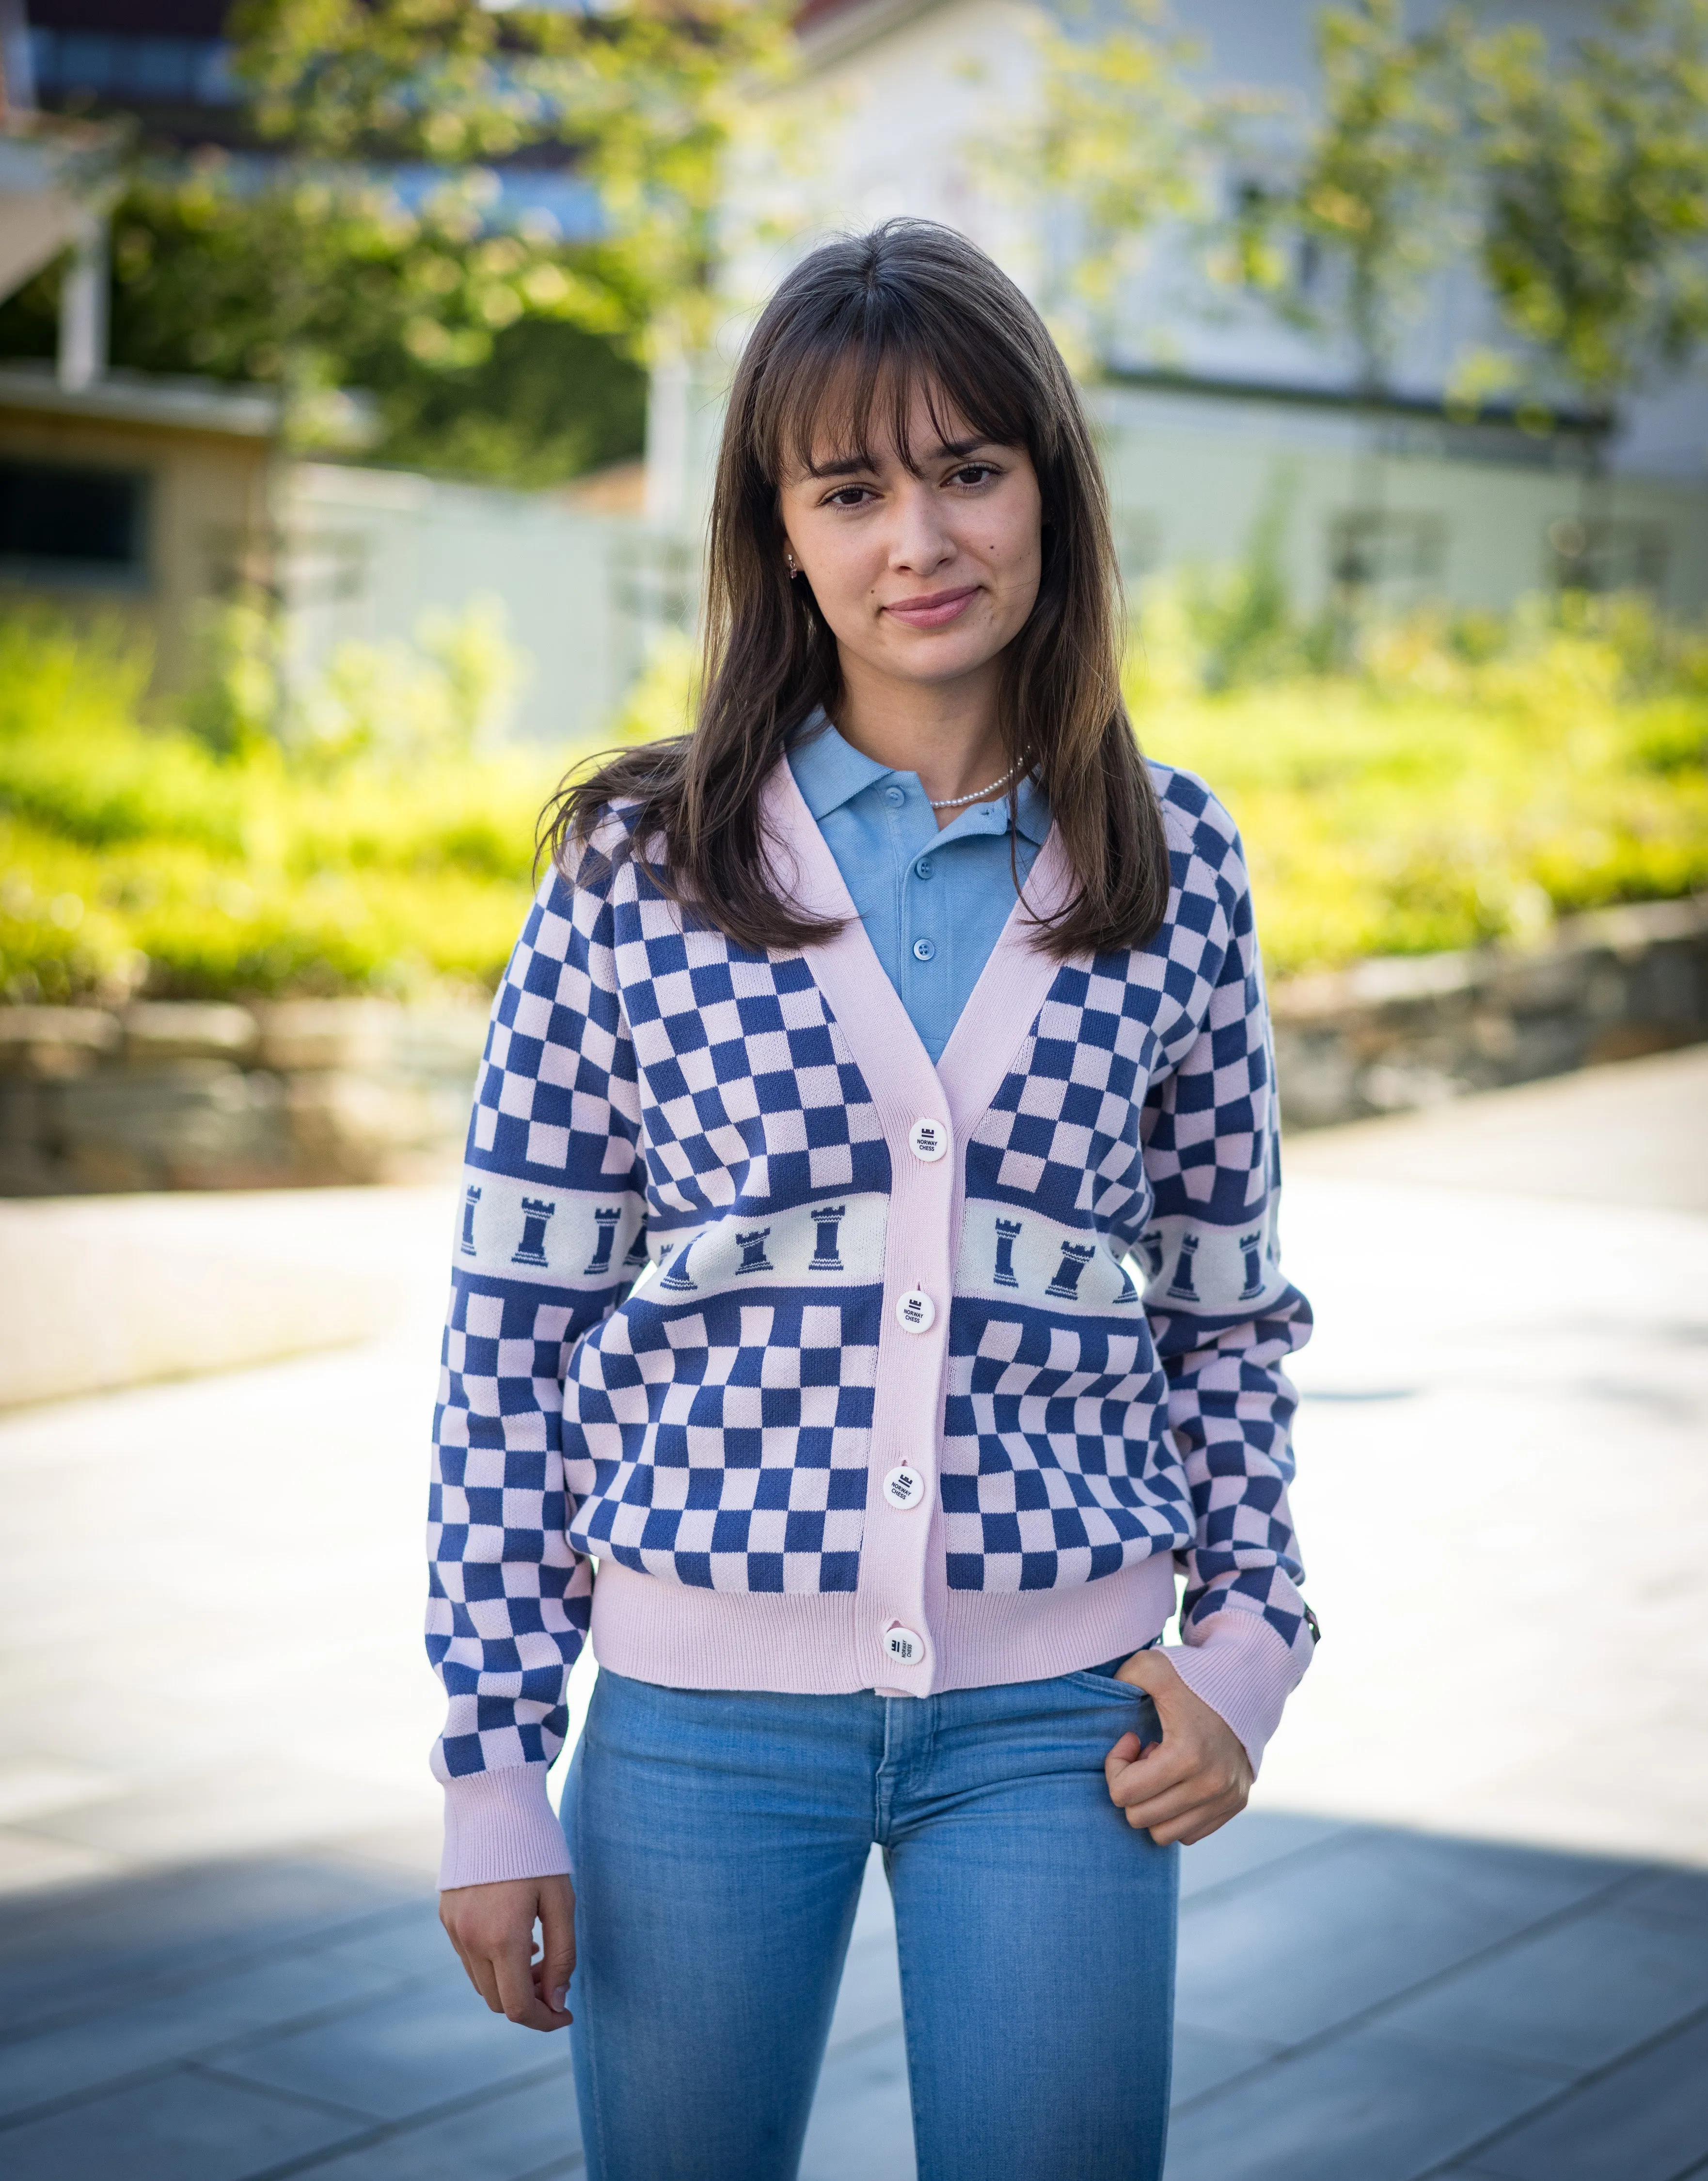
<point>1129,1293</point>
<point>1151,1250</point>
<point>1007,1234</point>
<point>1075,1256</point>
<point>1180,1287</point>
<point>676,1279</point>
<point>827,1219</point>
<point>637,1251</point>
<point>536,1217</point>
<point>469,1201</point>
<point>752,1257</point>
<point>1252,1244</point>
<point>609,1218</point>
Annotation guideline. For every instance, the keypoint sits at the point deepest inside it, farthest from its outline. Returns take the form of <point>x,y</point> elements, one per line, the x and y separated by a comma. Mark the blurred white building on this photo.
<point>1213,411</point>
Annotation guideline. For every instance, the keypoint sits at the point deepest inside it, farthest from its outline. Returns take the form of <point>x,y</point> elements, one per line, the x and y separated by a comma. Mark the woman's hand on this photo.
<point>492,1929</point>
<point>1195,1779</point>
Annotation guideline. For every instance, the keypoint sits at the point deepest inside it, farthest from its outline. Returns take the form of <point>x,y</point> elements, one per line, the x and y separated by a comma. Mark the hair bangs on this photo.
<point>838,393</point>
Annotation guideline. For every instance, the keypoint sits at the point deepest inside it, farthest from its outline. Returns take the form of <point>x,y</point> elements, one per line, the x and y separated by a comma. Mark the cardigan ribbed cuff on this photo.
<point>1244,1670</point>
<point>501,1825</point>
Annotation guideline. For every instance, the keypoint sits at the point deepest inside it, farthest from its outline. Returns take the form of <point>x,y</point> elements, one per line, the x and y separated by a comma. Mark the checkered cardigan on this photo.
<point>698,1230</point>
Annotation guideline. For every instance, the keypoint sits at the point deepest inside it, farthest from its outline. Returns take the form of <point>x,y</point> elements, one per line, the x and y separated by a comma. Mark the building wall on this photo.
<point>1192,476</point>
<point>204,493</point>
<point>370,552</point>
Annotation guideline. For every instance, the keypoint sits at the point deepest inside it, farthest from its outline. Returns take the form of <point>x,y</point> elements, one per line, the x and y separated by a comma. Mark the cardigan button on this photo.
<point>903,1647</point>
<point>905,1487</point>
<point>917,1312</point>
<point>928,1141</point>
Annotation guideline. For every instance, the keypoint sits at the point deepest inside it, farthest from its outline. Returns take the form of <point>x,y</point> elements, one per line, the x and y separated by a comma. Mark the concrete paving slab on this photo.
<point>1204,2060</point>
<point>62,1957</point>
<point>1255,1840</point>
<point>1366,2108</point>
<point>1645,2120</point>
<point>116,1291</point>
<point>180,2127</point>
<point>862,2123</point>
<point>1670,1896</point>
<point>1577,1996</point>
<point>1318,1941</point>
<point>529,2133</point>
<point>390,2056</point>
<point>1632,1133</point>
<point>125,2037</point>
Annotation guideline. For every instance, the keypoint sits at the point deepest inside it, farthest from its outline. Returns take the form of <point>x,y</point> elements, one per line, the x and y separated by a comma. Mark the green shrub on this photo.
<point>385,844</point>
<point>1455,789</point>
<point>1469,780</point>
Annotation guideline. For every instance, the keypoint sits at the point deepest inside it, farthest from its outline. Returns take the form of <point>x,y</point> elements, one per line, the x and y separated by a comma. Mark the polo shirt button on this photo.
<point>924,949</point>
<point>928,1141</point>
<point>905,1487</point>
<point>895,797</point>
<point>916,1311</point>
<point>903,1647</point>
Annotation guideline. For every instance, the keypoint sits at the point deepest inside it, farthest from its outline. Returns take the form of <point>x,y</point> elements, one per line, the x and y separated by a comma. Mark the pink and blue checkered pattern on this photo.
<point>715,1431</point>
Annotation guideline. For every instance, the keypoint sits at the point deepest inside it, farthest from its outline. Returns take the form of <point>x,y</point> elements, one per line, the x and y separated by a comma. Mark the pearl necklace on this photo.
<point>954,802</point>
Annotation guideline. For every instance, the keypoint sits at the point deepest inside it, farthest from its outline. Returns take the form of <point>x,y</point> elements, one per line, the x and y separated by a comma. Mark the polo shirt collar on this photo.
<point>830,772</point>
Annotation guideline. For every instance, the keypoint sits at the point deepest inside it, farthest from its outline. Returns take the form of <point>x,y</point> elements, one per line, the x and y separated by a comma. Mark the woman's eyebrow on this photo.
<point>840,466</point>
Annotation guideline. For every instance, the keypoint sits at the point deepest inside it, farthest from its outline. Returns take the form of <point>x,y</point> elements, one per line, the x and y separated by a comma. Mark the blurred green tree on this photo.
<point>1371,198</point>
<point>1116,142</point>
<point>368,245</point>
<point>1593,232</point>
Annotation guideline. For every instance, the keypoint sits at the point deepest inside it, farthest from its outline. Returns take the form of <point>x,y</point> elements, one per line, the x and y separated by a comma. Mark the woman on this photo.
<point>860,1051</point>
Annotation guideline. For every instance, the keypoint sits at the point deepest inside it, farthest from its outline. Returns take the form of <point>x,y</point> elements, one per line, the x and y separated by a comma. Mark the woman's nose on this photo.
<point>920,540</point>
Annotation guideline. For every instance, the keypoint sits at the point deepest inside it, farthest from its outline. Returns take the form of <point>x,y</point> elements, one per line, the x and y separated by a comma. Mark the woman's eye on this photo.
<point>973,474</point>
<point>847,495</point>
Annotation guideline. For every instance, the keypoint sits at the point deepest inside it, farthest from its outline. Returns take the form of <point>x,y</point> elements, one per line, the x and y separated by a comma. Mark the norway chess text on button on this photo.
<point>902,1645</point>
<point>930,1140</point>
<point>917,1312</point>
<point>905,1487</point>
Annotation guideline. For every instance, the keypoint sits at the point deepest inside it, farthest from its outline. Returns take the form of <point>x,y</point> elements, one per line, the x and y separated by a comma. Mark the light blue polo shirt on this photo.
<point>933,902</point>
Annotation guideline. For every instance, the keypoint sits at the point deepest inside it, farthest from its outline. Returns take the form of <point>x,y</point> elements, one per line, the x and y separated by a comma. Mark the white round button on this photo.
<point>902,1645</point>
<point>916,1310</point>
<point>905,1487</point>
<point>929,1141</point>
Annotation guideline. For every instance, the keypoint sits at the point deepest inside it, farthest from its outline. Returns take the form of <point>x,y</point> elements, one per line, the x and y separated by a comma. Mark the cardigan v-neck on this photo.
<point>933,898</point>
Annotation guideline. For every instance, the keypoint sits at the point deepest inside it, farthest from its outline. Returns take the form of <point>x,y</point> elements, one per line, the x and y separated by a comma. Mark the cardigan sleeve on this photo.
<point>1224,1317</point>
<point>548,1239</point>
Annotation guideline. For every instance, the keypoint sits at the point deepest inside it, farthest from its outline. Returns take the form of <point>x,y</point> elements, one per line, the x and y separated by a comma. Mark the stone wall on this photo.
<point>1410,1030</point>
<point>176,1095</point>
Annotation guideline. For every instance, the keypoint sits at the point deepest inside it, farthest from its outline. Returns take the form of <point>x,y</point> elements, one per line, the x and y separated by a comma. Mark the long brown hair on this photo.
<point>862,322</point>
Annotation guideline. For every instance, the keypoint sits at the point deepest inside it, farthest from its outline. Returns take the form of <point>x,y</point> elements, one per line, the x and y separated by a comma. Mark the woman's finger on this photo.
<point>514,1968</point>
<point>556,1962</point>
<point>1131,1779</point>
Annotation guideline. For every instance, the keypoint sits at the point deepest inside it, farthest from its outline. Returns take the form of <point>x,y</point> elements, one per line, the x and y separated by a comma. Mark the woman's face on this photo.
<point>923,575</point>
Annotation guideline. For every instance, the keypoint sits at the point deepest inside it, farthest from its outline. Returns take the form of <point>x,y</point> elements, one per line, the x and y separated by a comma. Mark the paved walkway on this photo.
<point>1462,1932</point>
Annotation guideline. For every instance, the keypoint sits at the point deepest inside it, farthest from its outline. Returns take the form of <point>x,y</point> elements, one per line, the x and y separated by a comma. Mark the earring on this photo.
<point>790,562</point>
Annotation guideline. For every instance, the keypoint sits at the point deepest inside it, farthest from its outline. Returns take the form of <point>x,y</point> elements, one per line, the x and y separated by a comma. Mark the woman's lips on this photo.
<point>932,609</point>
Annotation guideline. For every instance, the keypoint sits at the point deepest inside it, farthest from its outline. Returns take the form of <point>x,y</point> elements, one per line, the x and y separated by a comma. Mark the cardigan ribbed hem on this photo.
<point>802,1643</point>
<point>501,1825</point>
<point>1245,1671</point>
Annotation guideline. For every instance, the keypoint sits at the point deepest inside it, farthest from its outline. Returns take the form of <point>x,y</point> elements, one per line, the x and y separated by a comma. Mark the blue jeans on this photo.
<point>719,1840</point>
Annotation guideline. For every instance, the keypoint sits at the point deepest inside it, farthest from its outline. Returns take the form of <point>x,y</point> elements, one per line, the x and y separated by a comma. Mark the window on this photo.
<point>1608,555</point>
<point>1401,558</point>
<point>79,526</point>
